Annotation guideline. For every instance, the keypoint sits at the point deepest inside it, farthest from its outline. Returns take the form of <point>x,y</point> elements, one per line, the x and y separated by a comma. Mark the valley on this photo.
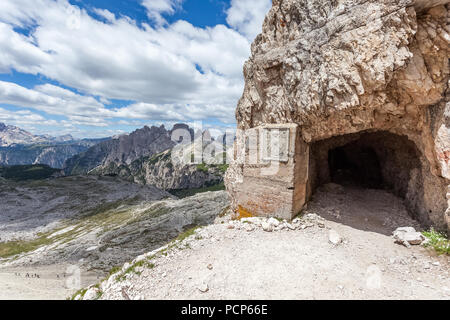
<point>93,223</point>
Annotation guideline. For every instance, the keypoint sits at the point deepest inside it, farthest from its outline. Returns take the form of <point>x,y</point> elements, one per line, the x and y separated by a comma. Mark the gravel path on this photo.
<point>236,260</point>
<point>51,283</point>
<point>239,260</point>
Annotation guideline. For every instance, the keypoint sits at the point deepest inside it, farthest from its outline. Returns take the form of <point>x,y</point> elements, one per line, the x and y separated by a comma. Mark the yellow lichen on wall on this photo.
<point>243,213</point>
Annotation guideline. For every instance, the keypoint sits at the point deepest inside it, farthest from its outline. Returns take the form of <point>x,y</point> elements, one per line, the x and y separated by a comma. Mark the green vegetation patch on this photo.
<point>187,234</point>
<point>12,248</point>
<point>15,247</point>
<point>184,193</point>
<point>202,168</point>
<point>160,157</point>
<point>145,263</point>
<point>221,167</point>
<point>80,292</point>
<point>27,172</point>
<point>438,241</point>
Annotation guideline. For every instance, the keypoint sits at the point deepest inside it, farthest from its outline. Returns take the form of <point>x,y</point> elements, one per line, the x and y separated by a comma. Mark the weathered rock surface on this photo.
<point>121,150</point>
<point>95,222</point>
<point>335,68</point>
<point>146,157</point>
<point>161,171</point>
<point>408,236</point>
<point>29,208</point>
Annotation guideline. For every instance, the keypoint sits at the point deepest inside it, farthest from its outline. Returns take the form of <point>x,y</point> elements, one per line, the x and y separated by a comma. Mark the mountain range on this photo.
<point>11,136</point>
<point>143,156</point>
<point>20,147</point>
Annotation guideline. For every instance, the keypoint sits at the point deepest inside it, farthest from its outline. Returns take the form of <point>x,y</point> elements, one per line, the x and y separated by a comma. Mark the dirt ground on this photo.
<point>236,260</point>
<point>300,264</point>
<point>55,282</point>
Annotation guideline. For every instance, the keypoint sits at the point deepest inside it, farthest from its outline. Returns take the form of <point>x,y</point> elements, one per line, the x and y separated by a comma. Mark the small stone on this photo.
<point>274,222</point>
<point>408,236</point>
<point>249,228</point>
<point>267,227</point>
<point>321,225</point>
<point>334,237</point>
<point>203,288</point>
<point>290,226</point>
<point>210,266</point>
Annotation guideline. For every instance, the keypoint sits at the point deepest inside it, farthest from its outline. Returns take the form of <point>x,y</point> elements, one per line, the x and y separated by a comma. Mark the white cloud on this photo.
<point>21,116</point>
<point>86,110</point>
<point>19,53</point>
<point>173,72</point>
<point>155,9</point>
<point>54,100</point>
<point>247,16</point>
<point>106,14</point>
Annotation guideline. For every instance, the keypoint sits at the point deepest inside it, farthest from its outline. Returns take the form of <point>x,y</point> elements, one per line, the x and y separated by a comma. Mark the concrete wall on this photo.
<point>267,186</point>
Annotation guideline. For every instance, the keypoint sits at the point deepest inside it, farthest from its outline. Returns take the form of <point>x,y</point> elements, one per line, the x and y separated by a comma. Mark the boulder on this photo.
<point>408,236</point>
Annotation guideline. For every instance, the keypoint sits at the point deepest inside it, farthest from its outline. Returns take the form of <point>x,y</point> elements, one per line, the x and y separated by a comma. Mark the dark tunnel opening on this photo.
<point>355,165</point>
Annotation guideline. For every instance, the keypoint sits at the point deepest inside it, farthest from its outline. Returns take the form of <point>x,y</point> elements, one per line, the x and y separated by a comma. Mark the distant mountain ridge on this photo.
<point>20,147</point>
<point>12,135</point>
<point>124,149</point>
<point>145,157</point>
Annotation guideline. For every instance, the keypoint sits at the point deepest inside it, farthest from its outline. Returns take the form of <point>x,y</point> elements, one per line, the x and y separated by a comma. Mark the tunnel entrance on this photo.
<point>370,173</point>
<point>374,160</point>
<point>369,160</point>
<point>355,165</point>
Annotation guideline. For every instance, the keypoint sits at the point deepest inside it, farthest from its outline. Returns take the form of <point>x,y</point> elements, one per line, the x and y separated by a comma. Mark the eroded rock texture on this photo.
<point>350,66</point>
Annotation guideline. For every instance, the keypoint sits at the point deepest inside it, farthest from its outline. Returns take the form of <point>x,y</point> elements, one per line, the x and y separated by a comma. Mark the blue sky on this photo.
<point>96,68</point>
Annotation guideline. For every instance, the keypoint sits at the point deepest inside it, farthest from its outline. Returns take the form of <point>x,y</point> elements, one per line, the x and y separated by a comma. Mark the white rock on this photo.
<point>274,222</point>
<point>405,229</point>
<point>91,294</point>
<point>267,227</point>
<point>249,228</point>
<point>290,226</point>
<point>334,237</point>
<point>408,236</point>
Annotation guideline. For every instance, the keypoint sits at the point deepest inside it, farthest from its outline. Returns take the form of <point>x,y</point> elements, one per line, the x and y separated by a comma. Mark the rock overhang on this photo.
<point>333,69</point>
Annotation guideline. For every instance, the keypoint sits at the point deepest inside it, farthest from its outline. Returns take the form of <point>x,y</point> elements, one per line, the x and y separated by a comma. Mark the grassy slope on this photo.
<point>27,172</point>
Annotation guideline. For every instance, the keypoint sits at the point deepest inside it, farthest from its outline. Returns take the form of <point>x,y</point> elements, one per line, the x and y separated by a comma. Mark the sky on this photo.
<point>97,68</point>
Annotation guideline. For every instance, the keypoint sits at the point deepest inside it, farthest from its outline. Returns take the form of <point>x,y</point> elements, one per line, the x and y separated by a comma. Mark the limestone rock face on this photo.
<point>121,150</point>
<point>341,67</point>
<point>317,58</point>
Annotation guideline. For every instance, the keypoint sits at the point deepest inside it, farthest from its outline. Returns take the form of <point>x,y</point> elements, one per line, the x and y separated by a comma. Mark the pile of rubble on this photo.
<point>274,224</point>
